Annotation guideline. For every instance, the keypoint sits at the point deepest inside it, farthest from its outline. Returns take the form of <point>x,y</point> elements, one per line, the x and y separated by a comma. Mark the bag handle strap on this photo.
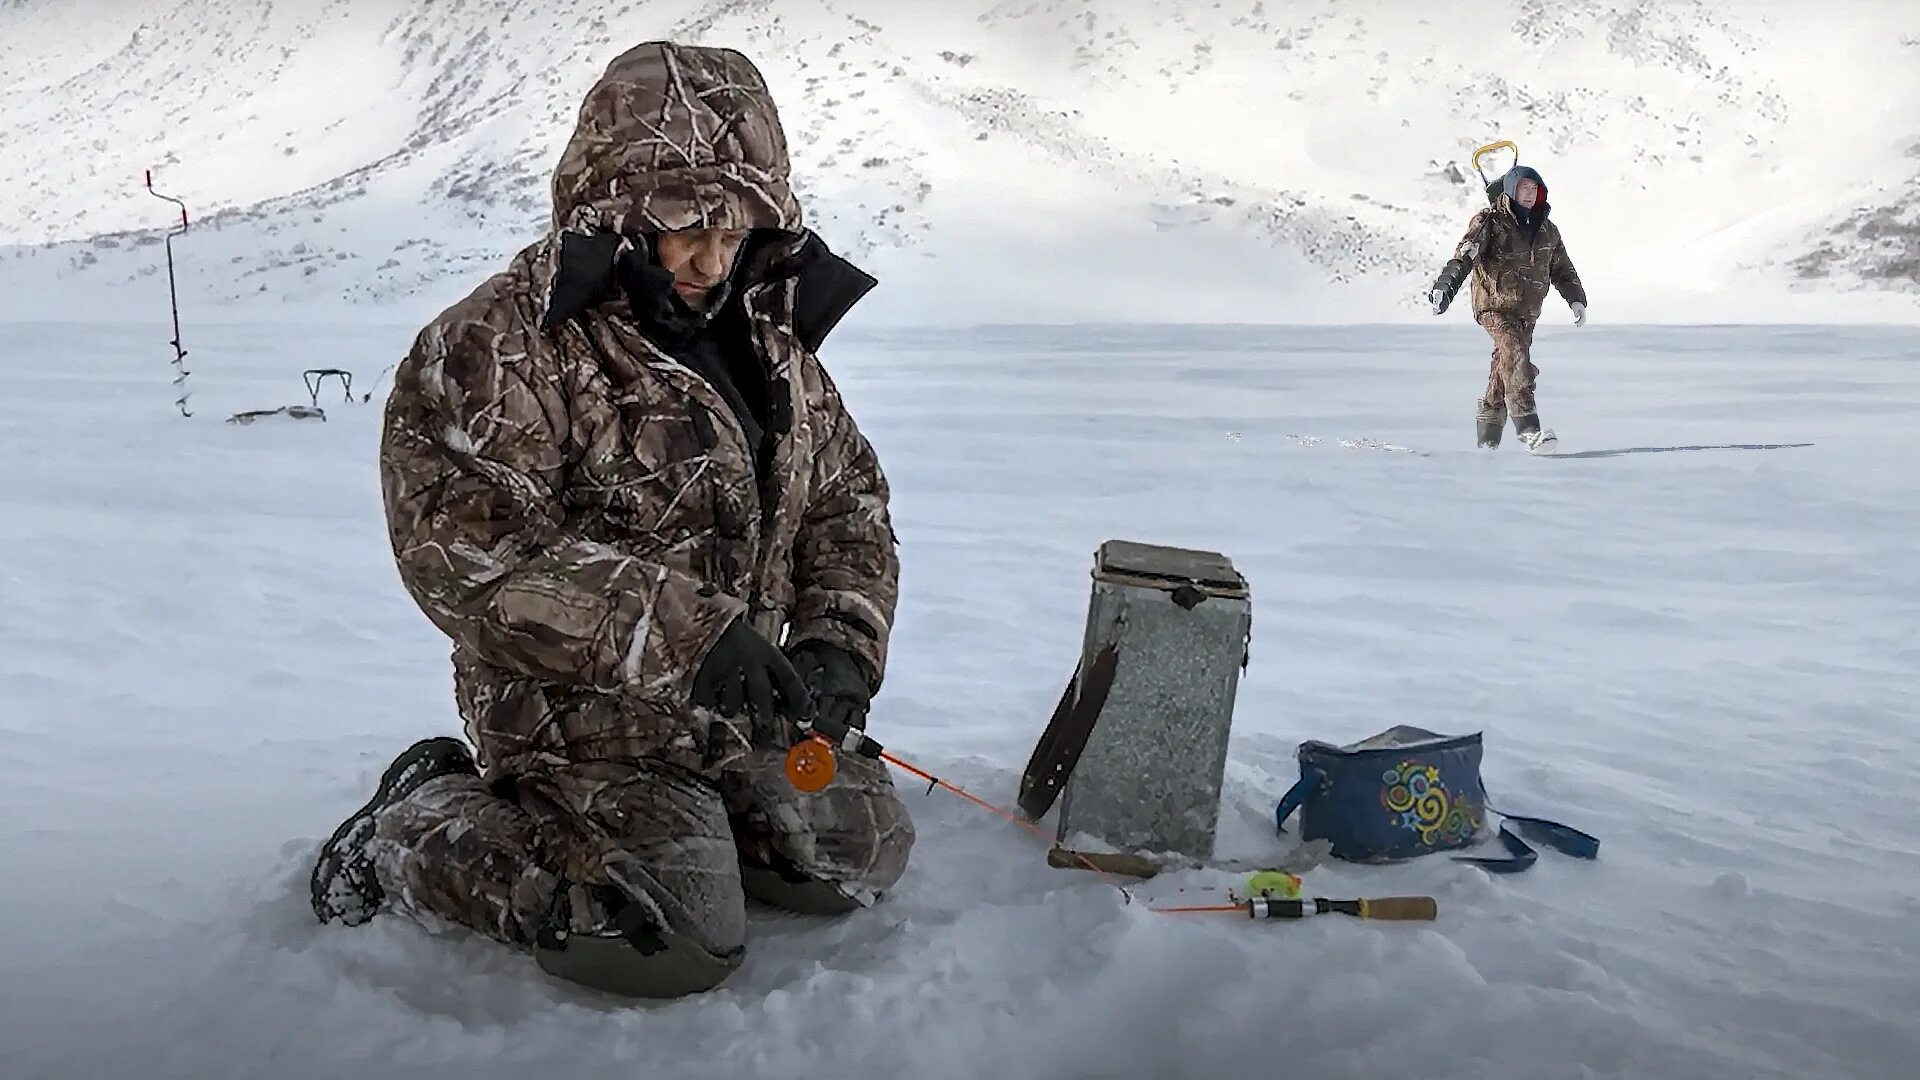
<point>1520,855</point>
<point>1303,789</point>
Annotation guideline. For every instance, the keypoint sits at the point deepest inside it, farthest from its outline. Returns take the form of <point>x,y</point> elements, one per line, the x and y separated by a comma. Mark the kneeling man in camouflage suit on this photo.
<point>618,478</point>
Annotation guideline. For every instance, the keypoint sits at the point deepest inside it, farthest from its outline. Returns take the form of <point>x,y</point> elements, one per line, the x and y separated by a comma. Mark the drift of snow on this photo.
<point>1704,656</point>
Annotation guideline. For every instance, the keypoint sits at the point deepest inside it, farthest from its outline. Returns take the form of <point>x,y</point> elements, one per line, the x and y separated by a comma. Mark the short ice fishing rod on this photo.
<point>810,767</point>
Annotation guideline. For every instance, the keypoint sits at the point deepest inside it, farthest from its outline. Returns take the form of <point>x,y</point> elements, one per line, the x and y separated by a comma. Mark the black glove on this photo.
<point>840,691</point>
<point>744,672</point>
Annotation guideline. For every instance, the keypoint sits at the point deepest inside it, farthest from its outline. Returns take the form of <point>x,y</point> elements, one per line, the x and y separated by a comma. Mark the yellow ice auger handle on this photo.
<point>1490,148</point>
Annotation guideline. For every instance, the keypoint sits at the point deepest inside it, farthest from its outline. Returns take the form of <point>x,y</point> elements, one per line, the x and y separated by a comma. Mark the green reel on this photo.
<point>1273,885</point>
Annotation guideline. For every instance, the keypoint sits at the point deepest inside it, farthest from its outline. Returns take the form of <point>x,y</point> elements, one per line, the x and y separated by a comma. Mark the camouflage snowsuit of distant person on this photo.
<point>614,482</point>
<point>1515,255</point>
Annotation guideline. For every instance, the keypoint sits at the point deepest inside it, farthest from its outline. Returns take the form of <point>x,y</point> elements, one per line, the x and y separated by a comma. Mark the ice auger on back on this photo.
<point>1454,274</point>
<point>1493,186</point>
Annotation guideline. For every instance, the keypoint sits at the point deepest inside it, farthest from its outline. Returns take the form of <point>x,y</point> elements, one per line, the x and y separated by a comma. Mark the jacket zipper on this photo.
<point>710,439</point>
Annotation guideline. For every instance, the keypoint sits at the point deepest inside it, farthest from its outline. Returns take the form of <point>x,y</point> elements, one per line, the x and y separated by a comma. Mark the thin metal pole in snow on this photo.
<point>173,298</point>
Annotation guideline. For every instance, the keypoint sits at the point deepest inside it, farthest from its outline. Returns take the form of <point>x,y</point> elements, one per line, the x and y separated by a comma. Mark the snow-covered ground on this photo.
<point>1707,657</point>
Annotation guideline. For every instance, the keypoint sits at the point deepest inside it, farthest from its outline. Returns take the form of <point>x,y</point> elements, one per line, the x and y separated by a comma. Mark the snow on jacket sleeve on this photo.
<point>471,466</point>
<point>846,566</point>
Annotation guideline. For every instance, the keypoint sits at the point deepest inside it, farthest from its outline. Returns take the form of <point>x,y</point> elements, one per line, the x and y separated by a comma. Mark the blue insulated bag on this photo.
<point>1408,792</point>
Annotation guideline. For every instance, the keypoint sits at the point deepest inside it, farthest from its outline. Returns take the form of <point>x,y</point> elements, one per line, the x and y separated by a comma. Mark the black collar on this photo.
<point>598,267</point>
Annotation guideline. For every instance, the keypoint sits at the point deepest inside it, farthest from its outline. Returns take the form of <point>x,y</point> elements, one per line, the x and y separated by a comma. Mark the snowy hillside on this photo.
<point>991,161</point>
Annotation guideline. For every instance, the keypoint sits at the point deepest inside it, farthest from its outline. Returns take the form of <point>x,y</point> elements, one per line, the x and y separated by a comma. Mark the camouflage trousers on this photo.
<point>1511,380</point>
<point>664,837</point>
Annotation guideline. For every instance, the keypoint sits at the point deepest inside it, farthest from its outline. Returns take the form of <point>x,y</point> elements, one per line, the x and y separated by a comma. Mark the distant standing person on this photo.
<point>1514,253</point>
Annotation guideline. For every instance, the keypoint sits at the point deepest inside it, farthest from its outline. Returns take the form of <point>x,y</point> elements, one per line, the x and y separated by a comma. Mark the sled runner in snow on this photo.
<point>314,377</point>
<point>292,412</point>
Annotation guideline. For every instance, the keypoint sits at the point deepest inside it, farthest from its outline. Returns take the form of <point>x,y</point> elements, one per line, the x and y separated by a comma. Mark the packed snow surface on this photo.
<point>1692,634</point>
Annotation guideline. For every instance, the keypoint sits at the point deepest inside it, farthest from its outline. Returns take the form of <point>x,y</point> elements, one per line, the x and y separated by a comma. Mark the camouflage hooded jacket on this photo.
<point>580,513</point>
<point>1514,265</point>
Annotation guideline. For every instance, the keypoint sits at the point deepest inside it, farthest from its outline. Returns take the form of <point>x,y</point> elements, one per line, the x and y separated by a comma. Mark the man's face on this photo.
<point>699,259</point>
<point>1527,193</point>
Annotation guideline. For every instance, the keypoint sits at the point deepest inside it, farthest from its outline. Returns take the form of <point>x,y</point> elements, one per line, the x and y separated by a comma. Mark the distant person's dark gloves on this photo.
<point>745,673</point>
<point>840,691</point>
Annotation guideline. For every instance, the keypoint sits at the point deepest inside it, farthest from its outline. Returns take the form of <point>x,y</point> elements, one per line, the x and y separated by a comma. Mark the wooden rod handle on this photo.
<point>1401,908</point>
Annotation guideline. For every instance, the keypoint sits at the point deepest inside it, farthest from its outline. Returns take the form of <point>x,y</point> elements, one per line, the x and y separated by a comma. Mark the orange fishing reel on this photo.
<point>810,765</point>
<point>810,761</point>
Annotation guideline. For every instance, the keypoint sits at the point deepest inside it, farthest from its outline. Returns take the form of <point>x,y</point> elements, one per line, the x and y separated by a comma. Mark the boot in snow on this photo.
<point>776,882</point>
<point>1489,422</point>
<point>343,885</point>
<point>624,949</point>
<point>1536,439</point>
